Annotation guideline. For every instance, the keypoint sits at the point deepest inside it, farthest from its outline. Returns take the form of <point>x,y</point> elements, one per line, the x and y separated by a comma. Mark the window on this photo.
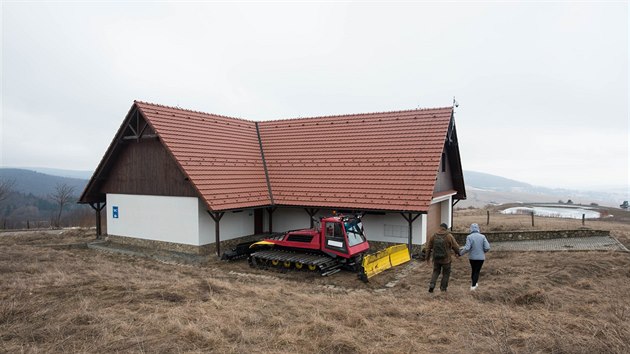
<point>335,239</point>
<point>354,230</point>
<point>333,229</point>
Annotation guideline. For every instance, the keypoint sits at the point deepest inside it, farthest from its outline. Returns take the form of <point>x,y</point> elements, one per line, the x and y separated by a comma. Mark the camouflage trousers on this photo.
<point>445,269</point>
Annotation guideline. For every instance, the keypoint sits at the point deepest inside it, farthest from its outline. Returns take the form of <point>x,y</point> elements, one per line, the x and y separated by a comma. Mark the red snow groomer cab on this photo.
<point>338,242</point>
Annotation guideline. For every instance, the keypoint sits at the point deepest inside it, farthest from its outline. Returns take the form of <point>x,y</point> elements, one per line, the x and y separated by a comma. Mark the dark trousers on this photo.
<point>445,269</point>
<point>475,265</point>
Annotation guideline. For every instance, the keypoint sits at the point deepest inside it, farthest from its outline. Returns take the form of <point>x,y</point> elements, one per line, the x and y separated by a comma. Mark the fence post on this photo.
<point>488,217</point>
<point>28,224</point>
<point>583,217</point>
<point>532,218</point>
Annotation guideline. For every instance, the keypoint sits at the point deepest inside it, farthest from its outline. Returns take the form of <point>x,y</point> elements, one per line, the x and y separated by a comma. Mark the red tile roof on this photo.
<point>376,161</point>
<point>220,155</point>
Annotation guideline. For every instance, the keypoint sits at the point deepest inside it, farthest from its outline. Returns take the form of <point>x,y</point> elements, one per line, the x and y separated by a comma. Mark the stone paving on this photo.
<point>594,243</point>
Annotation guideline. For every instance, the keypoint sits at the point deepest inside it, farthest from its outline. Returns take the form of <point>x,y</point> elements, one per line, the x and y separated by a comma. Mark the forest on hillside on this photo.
<point>35,200</point>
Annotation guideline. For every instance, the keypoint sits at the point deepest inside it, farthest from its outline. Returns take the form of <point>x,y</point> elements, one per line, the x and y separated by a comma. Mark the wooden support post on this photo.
<point>217,218</point>
<point>410,219</point>
<point>98,206</point>
<point>270,211</point>
<point>488,217</point>
<point>98,222</point>
<point>454,202</point>
<point>410,241</point>
<point>311,212</point>
<point>532,218</point>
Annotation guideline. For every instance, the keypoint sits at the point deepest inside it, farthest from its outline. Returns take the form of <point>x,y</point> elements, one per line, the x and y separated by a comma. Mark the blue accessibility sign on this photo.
<point>115,212</point>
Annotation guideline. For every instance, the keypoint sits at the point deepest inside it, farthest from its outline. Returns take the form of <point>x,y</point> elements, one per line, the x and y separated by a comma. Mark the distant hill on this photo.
<point>62,173</point>
<point>28,203</point>
<point>39,184</point>
<point>483,189</point>
<point>485,180</point>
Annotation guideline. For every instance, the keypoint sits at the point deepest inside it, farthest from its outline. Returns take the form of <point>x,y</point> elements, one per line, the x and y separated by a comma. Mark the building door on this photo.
<point>258,221</point>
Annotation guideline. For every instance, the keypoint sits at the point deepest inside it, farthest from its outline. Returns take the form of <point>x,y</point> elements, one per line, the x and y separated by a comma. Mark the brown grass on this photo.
<point>79,300</point>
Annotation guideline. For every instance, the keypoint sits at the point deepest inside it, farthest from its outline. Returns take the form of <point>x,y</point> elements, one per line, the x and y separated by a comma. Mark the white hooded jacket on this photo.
<point>476,244</point>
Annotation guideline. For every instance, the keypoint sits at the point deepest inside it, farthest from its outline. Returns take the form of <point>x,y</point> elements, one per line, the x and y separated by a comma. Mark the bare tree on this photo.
<point>62,195</point>
<point>6,186</point>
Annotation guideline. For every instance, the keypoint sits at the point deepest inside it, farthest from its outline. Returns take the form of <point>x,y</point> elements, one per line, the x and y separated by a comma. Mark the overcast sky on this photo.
<point>542,87</point>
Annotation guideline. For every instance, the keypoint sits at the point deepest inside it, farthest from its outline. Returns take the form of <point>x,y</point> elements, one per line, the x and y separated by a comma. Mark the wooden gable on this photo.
<point>137,162</point>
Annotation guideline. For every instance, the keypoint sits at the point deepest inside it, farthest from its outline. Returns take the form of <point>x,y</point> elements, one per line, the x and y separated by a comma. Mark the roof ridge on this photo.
<point>361,114</point>
<point>296,118</point>
<point>193,111</point>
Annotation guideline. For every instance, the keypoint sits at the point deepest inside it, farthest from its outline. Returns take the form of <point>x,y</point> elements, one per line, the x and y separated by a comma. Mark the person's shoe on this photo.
<point>431,290</point>
<point>472,288</point>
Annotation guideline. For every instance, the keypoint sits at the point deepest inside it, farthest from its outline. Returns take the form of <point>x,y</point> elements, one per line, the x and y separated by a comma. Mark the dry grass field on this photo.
<point>81,300</point>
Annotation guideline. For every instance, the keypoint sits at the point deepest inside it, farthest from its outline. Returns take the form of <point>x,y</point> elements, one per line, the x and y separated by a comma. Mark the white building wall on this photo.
<point>285,219</point>
<point>159,218</point>
<point>185,220</point>
<point>447,211</point>
<point>392,227</point>
<point>232,225</point>
<point>424,219</point>
<point>206,233</point>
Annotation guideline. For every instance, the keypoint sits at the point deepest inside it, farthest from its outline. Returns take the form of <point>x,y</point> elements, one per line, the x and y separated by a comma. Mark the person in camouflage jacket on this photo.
<point>441,265</point>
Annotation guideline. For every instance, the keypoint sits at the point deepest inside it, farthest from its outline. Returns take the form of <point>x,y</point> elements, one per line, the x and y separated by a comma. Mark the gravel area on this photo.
<point>596,243</point>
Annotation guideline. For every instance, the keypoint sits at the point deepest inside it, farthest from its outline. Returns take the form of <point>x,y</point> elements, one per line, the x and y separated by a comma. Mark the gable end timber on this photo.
<point>454,160</point>
<point>137,162</point>
<point>145,167</point>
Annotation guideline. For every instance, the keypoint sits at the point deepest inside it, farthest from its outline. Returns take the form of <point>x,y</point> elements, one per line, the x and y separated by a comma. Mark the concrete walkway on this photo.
<point>595,243</point>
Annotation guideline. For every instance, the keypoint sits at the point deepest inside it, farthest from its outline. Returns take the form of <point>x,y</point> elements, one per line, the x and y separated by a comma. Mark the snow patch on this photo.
<point>555,212</point>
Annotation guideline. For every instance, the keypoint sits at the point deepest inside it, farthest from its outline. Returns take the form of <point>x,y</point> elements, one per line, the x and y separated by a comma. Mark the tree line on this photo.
<point>20,210</point>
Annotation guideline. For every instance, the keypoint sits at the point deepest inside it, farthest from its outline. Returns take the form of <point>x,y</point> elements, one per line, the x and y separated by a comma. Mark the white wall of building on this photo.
<point>423,219</point>
<point>232,225</point>
<point>285,219</point>
<point>447,211</point>
<point>159,218</point>
<point>392,227</point>
<point>185,220</point>
<point>206,233</point>
<point>172,219</point>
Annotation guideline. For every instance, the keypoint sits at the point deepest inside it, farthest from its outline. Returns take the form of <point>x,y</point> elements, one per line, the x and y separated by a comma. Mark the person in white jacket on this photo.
<point>476,246</point>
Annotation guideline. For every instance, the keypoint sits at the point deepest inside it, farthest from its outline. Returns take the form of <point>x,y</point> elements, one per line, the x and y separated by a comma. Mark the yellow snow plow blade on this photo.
<point>398,255</point>
<point>376,263</point>
<point>261,243</point>
<point>380,261</point>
